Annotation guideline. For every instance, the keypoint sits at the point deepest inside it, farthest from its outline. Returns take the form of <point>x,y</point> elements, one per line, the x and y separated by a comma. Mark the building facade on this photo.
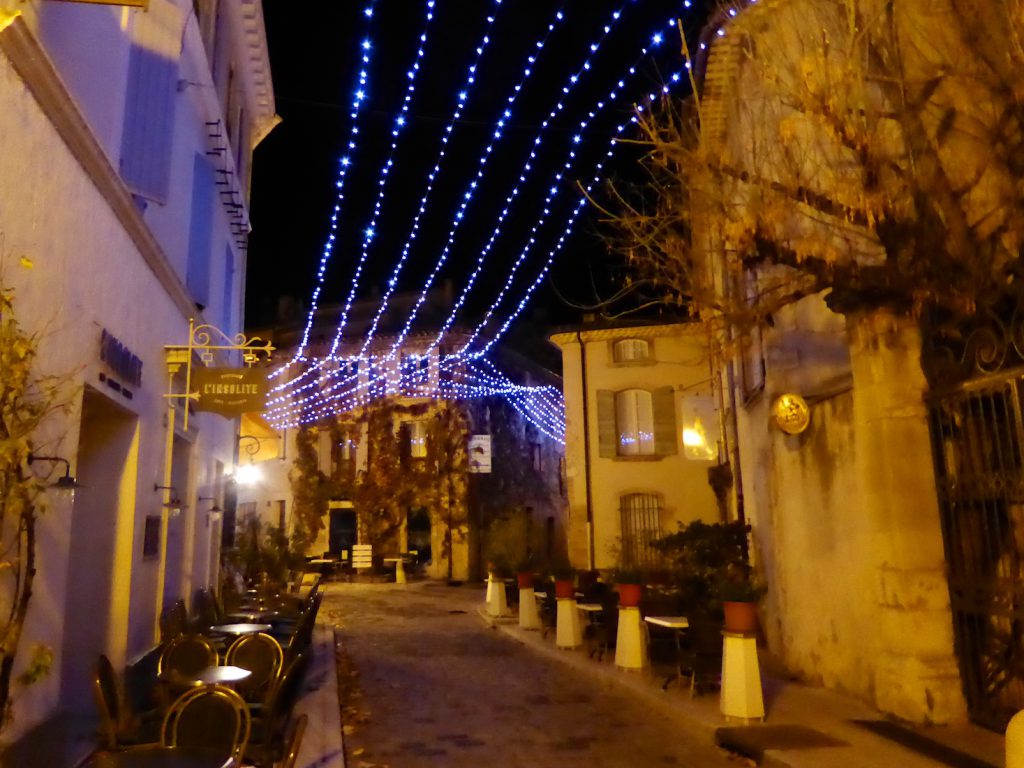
<point>886,528</point>
<point>426,456</point>
<point>642,433</point>
<point>124,178</point>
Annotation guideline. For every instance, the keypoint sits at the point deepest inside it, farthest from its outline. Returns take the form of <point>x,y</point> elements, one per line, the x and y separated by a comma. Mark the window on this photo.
<point>416,439</point>
<point>228,309</point>
<point>631,351</point>
<point>636,423</point>
<point>147,134</point>
<point>641,526</point>
<point>536,460</point>
<point>415,373</point>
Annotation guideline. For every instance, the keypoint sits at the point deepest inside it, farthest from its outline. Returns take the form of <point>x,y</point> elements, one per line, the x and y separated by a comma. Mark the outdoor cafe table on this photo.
<point>161,757</point>
<point>218,674</point>
<point>240,629</point>
<point>677,624</point>
<point>254,617</point>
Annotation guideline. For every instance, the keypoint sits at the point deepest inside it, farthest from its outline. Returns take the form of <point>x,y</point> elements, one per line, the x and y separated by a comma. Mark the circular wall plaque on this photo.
<point>791,414</point>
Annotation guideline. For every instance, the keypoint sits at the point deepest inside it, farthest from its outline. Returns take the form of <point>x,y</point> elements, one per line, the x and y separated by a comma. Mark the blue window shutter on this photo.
<point>197,274</point>
<point>147,138</point>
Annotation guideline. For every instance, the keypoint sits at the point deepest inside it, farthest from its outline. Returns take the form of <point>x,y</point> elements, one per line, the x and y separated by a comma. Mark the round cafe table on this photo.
<point>220,674</point>
<point>241,628</point>
<point>161,757</point>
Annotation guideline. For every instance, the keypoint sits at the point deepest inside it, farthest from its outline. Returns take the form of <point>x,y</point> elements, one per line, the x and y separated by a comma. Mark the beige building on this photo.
<point>642,432</point>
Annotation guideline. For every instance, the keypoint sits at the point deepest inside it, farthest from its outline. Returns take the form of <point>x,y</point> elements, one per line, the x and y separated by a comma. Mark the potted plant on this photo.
<point>629,584</point>
<point>525,572</point>
<point>739,593</point>
<point>565,580</point>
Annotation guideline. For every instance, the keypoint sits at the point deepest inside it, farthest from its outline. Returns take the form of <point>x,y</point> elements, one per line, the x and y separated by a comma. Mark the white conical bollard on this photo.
<point>529,616</point>
<point>496,604</point>
<point>1015,741</point>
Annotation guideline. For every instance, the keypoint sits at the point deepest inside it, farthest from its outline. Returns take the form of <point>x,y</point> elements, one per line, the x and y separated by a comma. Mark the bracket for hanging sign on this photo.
<point>206,340</point>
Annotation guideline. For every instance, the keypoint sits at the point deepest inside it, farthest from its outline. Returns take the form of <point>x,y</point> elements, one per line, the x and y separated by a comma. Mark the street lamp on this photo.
<point>67,483</point>
<point>248,474</point>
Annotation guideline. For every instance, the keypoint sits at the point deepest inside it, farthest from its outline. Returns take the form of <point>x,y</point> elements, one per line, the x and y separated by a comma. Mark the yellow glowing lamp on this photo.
<point>248,474</point>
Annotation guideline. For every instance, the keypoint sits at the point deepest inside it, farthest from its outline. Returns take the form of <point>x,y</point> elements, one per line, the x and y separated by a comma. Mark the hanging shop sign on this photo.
<point>480,454</point>
<point>229,391</point>
<point>791,414</point>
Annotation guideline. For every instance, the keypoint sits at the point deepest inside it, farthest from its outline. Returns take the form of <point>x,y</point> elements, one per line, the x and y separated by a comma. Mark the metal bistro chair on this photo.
<point>269,725</point>
<point>184,656</point>
<point>118,725</point>
<point>700,654</point>
<point>293,741</point>
<point>173,621</point>
<point>212,717</point>
<point>262,655</point>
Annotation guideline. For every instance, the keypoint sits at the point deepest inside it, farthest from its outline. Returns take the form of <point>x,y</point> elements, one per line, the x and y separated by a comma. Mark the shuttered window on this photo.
<point>634,419</point>
<point>636,422</point>
<point>148,130</point>
<point>630,351</point>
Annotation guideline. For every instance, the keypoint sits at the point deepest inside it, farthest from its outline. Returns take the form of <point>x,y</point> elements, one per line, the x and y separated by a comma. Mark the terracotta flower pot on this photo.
<point>629,595</point>
<point>565,588</point>
<point>740,617</point>
<point>525,579</point>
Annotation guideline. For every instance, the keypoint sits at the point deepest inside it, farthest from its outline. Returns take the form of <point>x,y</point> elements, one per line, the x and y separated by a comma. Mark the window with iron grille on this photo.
<point>641,526</point>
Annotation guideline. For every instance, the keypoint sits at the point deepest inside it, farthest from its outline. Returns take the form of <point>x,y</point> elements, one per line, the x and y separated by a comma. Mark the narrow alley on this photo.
<point>437,687</point>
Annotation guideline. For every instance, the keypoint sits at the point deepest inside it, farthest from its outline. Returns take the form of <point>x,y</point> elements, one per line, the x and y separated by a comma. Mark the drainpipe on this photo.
<point>586,453</point>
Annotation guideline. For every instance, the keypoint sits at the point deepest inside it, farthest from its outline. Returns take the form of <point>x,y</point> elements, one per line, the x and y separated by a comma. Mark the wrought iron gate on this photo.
<point>977,431</point>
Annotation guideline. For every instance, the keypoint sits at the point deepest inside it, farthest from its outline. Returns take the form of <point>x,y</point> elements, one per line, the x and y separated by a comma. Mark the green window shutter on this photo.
<point>607,437</point>
<point>665,441</point>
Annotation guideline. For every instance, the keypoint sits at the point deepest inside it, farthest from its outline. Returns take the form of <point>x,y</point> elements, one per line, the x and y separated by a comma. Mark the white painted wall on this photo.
<point>75,271</point>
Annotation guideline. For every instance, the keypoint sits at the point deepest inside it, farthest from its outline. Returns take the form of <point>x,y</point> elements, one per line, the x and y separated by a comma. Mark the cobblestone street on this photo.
<point>439,688</point>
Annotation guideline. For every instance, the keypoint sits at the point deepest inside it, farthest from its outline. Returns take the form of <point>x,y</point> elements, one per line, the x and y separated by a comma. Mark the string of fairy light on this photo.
<point>309,389</point>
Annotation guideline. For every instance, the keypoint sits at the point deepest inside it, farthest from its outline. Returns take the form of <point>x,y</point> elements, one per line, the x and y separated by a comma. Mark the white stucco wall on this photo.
<point>76,271</point>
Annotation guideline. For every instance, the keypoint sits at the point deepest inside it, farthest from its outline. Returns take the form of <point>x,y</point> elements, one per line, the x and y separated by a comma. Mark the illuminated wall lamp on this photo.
<point>66,484</point>
<point>214,513</point>
<point>174,504</point>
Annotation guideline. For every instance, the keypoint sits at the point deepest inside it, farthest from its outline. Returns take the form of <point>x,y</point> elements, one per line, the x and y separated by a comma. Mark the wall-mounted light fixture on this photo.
<point>214,512</point>
<point>174,503</point>
<point>248,474</point>
<point>67,483</point>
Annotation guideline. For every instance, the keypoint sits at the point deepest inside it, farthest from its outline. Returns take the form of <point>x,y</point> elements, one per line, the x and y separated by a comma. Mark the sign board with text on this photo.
<point>480,454</point>
<point>229,391</point>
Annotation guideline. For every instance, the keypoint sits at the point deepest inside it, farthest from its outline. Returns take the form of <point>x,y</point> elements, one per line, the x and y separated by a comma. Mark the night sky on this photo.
<point>315,58</point>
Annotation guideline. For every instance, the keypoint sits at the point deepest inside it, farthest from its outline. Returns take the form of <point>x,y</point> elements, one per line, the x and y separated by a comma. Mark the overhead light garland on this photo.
<point>334,383</point>
<point>358,98</point>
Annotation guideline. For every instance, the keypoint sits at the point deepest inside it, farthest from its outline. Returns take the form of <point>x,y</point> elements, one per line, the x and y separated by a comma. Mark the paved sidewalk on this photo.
<point>322,744</point>
<point>824,711</point>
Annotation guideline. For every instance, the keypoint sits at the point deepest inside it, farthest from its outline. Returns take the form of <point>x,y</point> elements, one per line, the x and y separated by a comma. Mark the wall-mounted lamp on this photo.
<point>214,512</point>
<point>174,503</point>
<point>248,474</point>
<point>67,483</point>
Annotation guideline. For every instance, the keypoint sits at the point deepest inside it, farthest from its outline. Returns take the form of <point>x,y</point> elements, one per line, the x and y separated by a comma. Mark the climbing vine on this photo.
<point>26,399</point>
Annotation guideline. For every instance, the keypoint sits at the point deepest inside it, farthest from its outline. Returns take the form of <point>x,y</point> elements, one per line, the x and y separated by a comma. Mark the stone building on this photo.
<point>403,462</point>
<point>124,178</point>
<point>887,529</point>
